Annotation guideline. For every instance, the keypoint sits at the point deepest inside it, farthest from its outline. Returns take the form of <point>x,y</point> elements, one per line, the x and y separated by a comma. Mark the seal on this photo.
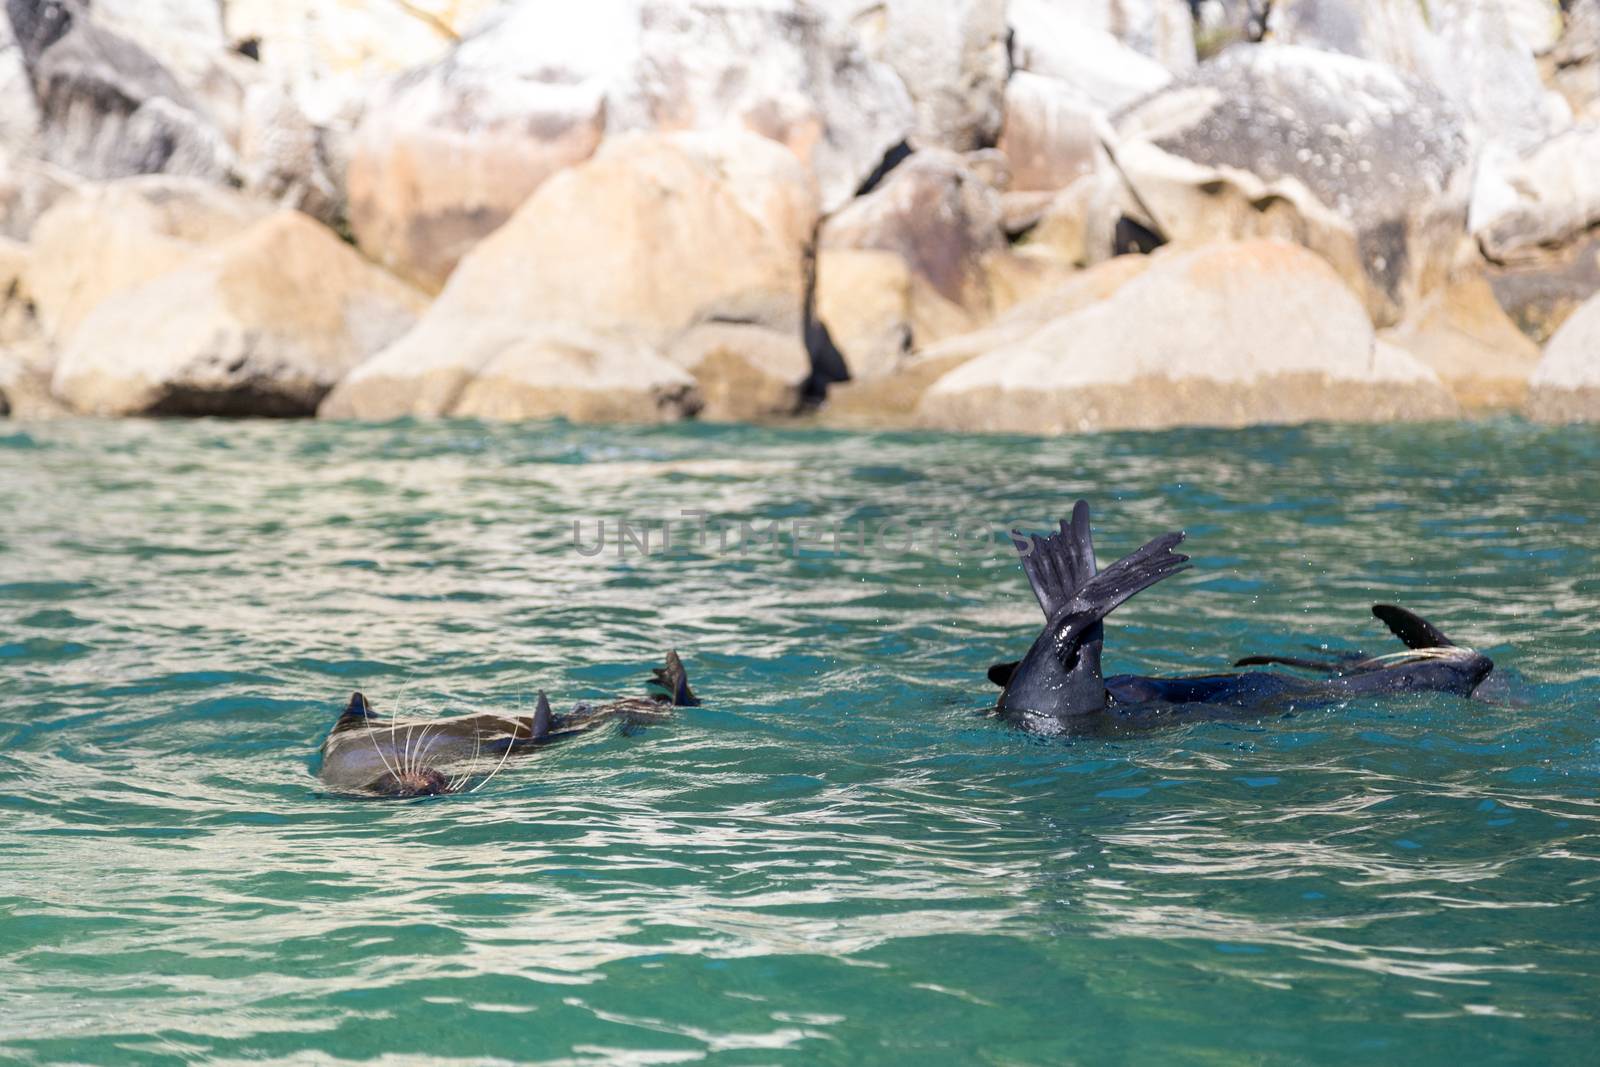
<point>1058,687</point>
<point>366,755</point>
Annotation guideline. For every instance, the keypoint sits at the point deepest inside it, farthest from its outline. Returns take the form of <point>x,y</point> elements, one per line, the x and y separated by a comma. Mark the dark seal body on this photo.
<point>1057,688</point>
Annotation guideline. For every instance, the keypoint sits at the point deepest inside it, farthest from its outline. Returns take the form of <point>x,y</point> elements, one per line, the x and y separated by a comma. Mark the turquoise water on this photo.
<point>837,859</point>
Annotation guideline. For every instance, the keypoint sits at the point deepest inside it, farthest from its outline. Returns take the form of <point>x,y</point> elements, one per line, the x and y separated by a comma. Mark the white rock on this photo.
<point>1565,387</point>
<point>1048,40</point>
<point>952,57</point>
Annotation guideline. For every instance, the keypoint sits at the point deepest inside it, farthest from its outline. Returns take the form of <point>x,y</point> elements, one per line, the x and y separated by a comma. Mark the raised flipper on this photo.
<point>1054,678</point>
<point>356,715</point>
<point>675,680</point>
<point>1411,628</point>
<point>543,718</point>
<point>1115,586</point>
<point>1058,565</point>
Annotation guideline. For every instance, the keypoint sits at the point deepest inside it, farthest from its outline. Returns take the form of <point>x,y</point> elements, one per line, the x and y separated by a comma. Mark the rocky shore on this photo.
<point>1040,216</point>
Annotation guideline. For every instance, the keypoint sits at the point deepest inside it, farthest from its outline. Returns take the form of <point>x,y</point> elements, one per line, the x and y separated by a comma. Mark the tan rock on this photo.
<point>444,155</point>
<point>1051,137</point>
<point>744,371</point>
<point>25,359</point>
<point>1072,227</point>
<point>29,188</point>
<point>1250,332</point>
<point>112,236</point>
<point>1016,279</point>
<point>937,215</point>
<point>877,308</point>
<point>656,233</point>
<point>936,235</point>
<point>450,150</point>
<point>1565,387</point>
<point>892,399</point>
<point>574,374</point>
<point>1461,332</point>
<point>262,324</point>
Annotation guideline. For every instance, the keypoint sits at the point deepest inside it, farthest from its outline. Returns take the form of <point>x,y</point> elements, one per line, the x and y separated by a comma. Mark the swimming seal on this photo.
<point>369,756</point>
<point>1058,686</point>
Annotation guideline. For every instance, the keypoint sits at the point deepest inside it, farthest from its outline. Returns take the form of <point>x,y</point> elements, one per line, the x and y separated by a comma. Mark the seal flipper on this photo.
<point>1048,680</point>
<point>1057,566</point>
<point>1411,628</point>
<point>539,729</point>
<point>675,680</point>
<point>356,715</point>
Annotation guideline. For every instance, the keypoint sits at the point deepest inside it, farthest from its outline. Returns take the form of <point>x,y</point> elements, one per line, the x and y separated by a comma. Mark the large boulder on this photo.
<point>781,69</point>
<point>1542,238</point>
<point>107,106</point>
<point>1470,50</point>
<point>1461,332</point>
<point>1365,166</point>
<point>913,254</point>
<point>952,57</point>
<point>1050,137</point>
<point>109,237</point>
<point>891,399</point>
<point>935,213</point>
<point>1234,334</point>
<point>655,234</point>
<point>745,371</point>
<point>1566,385</point>
<point>450,150</point>
<point>568,372</point>
<point>877,308</point>
<point>262,324</point>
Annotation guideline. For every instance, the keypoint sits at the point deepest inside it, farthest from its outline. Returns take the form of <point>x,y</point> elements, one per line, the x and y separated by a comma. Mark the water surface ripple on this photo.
<point>837,859</point>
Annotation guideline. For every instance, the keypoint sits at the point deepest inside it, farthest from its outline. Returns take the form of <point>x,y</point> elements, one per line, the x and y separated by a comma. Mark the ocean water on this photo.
<point>837,858</point>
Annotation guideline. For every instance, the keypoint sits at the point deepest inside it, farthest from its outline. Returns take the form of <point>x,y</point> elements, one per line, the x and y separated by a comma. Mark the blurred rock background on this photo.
<point>1036,216</point>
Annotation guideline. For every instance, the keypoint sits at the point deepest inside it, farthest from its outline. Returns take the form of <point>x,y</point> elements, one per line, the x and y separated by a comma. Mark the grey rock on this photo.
<point>1368,167</point>
<point>1470,50</point>
<point>107,107</point>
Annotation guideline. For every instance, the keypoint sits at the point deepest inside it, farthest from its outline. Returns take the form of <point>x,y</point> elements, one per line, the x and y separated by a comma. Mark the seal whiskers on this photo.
<point>404,758</point>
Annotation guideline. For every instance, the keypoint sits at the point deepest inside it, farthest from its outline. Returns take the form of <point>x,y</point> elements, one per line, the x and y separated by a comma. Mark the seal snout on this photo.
<point>423,782</point>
